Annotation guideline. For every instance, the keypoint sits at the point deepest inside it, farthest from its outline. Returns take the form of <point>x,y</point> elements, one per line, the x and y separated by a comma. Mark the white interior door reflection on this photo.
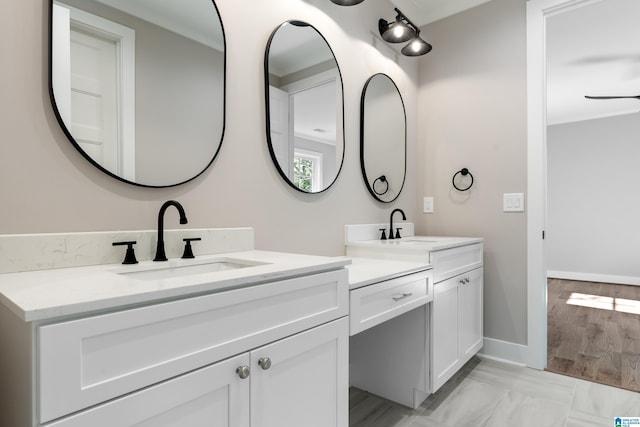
<point>93,73</point>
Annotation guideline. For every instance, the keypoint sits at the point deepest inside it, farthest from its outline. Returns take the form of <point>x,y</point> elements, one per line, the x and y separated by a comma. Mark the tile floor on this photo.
<point>489,393</point>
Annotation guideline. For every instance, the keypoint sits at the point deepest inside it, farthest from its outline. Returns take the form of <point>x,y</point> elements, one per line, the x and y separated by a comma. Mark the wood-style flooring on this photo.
<point>594,332</point>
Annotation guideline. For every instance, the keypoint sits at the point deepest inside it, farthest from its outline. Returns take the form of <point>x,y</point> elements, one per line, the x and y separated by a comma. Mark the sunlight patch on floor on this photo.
<point>605,303</point>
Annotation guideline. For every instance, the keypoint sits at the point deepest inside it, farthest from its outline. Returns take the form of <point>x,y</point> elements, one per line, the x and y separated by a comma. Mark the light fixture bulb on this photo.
<point>395,32</point>
<point>398,31</point>
<point>416,47</point>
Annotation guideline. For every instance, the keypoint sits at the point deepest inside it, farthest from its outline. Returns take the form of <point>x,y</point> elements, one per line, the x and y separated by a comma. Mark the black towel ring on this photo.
<point>382,179</point>
<point>463,172</point>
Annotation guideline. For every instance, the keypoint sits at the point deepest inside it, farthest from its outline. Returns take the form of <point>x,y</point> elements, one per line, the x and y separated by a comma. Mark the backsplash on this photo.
<point>27,252</point>
<point>360,232</point>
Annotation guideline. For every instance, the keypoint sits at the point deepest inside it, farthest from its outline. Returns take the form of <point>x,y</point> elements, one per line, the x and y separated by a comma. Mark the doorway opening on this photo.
<point>577,155</point>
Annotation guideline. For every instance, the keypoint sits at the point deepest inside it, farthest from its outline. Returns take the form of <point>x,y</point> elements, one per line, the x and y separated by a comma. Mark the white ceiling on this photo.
<point>593,50</point>
<point>294,48</point>
<point>190,18</point>
<point>422,12</point>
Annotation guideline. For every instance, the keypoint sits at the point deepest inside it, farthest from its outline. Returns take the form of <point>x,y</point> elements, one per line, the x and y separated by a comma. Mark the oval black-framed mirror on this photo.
<point>383,138</point>
<point>304,105</point>
<point>139,87</point>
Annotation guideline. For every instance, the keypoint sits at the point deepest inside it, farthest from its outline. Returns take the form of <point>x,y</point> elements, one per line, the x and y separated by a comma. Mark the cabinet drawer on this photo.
<point>87,361</point>
<point>451,262</point>
<point>374,304</point>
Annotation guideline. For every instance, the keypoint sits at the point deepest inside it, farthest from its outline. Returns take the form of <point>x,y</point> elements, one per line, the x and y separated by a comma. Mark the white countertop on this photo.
<point>367,271</point>
<point>408,248</point>
<point>420,243</point>
<point>47,294</point>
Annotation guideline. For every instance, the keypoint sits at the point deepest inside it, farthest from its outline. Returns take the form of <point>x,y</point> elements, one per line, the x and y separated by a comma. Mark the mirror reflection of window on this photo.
<point>305,107</point>
<point>307,170</point>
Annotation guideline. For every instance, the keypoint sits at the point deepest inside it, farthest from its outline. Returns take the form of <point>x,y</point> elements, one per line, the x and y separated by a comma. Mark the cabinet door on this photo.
<point>214,396</point>
<point>444,336</point>
<point>305,381</point>
<point>471,313</point>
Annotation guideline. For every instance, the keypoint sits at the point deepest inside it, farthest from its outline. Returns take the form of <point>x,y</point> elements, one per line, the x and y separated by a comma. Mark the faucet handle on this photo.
<point>398,236</point>
<point>188,252</point>
<point>130,256</point>
<point>384,234</point>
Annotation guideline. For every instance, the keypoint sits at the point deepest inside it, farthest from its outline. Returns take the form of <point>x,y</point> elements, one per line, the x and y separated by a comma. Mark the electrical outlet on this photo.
<point>427,205</point>
<point>513,202</point>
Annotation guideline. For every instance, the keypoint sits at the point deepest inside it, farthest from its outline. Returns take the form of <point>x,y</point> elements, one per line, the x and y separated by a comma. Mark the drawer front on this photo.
<point>374,304</point>
<point>451,262</point>
<point>87,361</point>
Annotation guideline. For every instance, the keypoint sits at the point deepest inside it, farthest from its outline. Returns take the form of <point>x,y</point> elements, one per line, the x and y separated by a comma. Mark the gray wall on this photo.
<point>472,113</point>
<point>179,105</point>
<point>593,203</point>
<point>47,186</point>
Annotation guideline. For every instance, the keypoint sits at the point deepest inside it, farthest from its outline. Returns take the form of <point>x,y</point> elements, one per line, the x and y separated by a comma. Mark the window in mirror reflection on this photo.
<point>307,170</point>
<point>304,106</point>
<point>139,86</point>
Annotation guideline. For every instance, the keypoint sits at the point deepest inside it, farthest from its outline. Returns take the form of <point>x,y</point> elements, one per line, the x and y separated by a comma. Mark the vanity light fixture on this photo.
<point>416,47</point>
<point>402,30</point>
<point>347,2</point>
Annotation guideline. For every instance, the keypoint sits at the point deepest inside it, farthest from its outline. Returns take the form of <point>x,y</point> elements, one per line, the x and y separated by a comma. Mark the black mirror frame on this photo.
<point>371,188</point>
<point>67,132</point>
<point>268,112</point>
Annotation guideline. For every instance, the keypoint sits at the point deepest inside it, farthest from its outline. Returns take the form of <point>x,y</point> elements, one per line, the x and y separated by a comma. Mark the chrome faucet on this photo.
<point>160,255</point>
<point>404,218</point>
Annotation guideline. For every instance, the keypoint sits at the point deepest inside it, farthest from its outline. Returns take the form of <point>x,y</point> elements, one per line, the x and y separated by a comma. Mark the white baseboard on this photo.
<point>592,277</point>
<point>504,351</point>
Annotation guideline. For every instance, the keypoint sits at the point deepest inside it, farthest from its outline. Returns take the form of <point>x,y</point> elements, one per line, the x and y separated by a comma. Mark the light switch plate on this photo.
<point>427,205</point>
<point>513,202</point>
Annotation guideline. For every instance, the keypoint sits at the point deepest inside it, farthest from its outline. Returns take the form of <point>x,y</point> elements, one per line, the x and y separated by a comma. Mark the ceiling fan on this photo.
<point>611,97</point>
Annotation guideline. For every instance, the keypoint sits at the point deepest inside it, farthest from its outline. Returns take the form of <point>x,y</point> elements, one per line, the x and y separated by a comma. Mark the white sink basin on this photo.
<point>175,268</point>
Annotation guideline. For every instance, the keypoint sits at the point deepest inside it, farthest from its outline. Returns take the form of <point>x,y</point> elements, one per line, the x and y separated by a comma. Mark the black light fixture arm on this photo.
<point>407,21</point>
<point>403,30</point>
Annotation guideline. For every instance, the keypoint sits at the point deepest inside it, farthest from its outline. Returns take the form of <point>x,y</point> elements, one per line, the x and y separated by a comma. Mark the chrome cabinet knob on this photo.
<point>265,363</point>
<point>243,372</point>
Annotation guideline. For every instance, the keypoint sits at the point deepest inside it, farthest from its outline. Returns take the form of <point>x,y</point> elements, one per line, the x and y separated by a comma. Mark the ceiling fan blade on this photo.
<point>611,97</point>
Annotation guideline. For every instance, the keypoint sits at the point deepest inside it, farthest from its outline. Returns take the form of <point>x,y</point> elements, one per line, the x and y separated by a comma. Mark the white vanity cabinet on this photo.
<point>454,318</point>
<point>389,346</point>
<point>457,311</point>
<point>303,377</point>
<point>269,354</point>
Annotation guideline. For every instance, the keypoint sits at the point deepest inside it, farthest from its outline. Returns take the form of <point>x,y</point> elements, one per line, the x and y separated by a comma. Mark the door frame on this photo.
<point>125,40</point>
<point>538,11</point>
